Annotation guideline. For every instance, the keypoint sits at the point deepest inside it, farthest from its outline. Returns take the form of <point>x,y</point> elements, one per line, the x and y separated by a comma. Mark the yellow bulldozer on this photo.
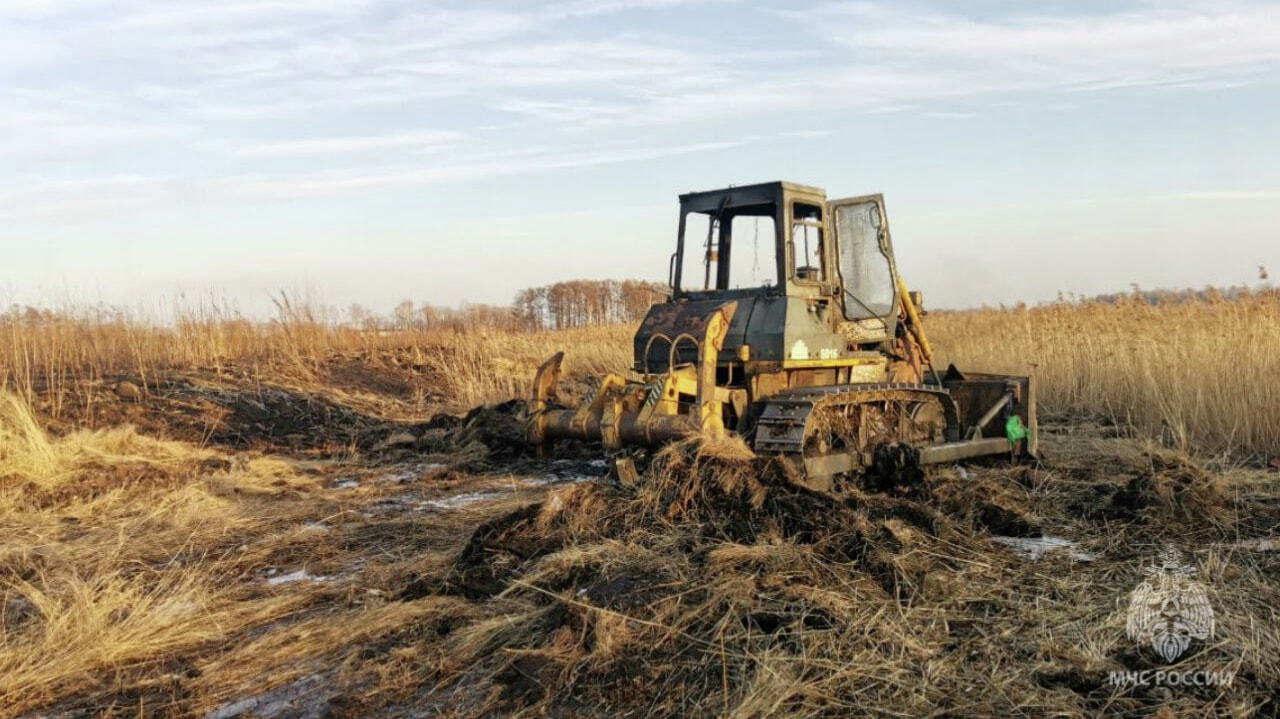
<point>789,325</point>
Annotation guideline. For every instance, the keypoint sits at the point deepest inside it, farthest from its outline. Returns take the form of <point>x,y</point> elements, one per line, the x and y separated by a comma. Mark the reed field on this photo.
<point>205,516</point>
<point>1197,374</point>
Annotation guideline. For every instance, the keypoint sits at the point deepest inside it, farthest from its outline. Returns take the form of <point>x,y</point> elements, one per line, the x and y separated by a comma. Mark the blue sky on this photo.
<point>375,150</point>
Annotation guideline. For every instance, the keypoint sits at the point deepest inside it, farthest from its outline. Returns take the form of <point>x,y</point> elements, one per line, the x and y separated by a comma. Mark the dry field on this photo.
<point>227,519</point>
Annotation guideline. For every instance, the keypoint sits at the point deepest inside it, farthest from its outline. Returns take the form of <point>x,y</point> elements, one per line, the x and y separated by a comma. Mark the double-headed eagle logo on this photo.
<point>1169,608</point>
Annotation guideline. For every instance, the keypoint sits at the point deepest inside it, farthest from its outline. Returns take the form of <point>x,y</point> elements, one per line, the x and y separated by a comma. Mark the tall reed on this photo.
<point>1198,373</point>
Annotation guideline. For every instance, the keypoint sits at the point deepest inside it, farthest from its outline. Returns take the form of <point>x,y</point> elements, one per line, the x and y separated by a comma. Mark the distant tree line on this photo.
<point>410,316</point>
<point>575,303</point>
<point>1155,297</point>
<point>579,303</point>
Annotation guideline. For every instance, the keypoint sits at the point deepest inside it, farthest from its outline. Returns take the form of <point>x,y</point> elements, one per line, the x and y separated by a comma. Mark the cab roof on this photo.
<point>765,193</point>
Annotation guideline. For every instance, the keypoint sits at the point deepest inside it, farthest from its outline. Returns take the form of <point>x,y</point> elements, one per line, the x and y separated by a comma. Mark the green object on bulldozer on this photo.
<point>1014,430</point>
<point>789,326</point>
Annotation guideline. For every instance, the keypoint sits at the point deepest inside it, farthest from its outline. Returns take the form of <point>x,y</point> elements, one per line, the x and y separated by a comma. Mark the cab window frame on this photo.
<point>825,266</point>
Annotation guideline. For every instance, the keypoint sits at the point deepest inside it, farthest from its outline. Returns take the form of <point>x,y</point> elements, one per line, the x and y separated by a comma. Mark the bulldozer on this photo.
<point>789,325</point>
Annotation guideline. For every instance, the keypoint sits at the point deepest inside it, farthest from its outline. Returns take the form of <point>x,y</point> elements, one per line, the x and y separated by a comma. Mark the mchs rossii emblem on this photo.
<point>1169,608</point>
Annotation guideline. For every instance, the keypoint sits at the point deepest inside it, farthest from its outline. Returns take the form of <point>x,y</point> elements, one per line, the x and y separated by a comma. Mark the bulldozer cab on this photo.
<point>833,259</point>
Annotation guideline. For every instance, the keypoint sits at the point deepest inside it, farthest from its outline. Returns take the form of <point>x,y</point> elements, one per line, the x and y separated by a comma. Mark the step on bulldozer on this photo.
<point>789,325</point>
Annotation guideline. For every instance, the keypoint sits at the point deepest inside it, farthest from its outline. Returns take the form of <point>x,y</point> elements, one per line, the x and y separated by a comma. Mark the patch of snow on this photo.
<point>310,697</point>
<point>561,478</point>
<point>550,479</point>
<point>348,483</point>
<point>459,500</point>
<point>233,709</point>
<point>411,473</point>
<point>1034,548</point>
<point>298,576</point>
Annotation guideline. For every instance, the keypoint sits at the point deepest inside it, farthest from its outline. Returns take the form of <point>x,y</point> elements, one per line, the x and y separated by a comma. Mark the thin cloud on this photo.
<point>349,145</point>
<point>88,198</point>
<point>1149,46</point>
<point>494,165</point>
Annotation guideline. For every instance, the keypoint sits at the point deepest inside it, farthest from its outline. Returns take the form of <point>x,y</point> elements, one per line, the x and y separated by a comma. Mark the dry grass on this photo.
<point>104,560</point>
<point>134,571</point>
<point>54,356</point>
<point>485,365</point>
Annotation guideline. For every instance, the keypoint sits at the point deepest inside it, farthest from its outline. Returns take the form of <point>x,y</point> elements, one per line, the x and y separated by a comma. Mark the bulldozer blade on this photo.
<point>955,451</point>
<point>545,382</point>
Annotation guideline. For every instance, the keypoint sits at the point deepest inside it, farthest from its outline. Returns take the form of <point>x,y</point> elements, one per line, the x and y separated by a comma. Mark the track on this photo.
<point>830,430</point>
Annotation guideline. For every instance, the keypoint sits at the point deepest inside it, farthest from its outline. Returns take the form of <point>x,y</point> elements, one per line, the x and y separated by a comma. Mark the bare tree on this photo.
<point>404,314</point>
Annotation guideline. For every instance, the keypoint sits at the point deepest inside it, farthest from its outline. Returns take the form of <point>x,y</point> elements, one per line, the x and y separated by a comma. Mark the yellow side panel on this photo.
<point>837,362</point>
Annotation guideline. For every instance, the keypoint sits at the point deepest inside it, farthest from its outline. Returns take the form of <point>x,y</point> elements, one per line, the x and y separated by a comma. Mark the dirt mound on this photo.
<point>1177,487</point>
<point>1161,490</point>
<point>486,438</point>
<point>498,429</point>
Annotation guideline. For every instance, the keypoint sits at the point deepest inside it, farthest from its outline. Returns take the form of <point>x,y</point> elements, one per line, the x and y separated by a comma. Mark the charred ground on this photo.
<point>268,548</point>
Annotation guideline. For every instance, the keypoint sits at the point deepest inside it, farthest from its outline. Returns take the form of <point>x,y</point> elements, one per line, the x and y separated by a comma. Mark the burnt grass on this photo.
<point>715,586</point>
<point>348,414</point>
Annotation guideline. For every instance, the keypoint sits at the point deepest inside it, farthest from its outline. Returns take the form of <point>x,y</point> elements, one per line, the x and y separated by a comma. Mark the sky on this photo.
<point>370,151</point>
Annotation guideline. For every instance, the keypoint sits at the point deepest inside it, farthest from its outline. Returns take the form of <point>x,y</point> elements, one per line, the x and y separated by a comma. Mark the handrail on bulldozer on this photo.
<point>671,353</point>
<point>647,345</point>
<point>671,350</point>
